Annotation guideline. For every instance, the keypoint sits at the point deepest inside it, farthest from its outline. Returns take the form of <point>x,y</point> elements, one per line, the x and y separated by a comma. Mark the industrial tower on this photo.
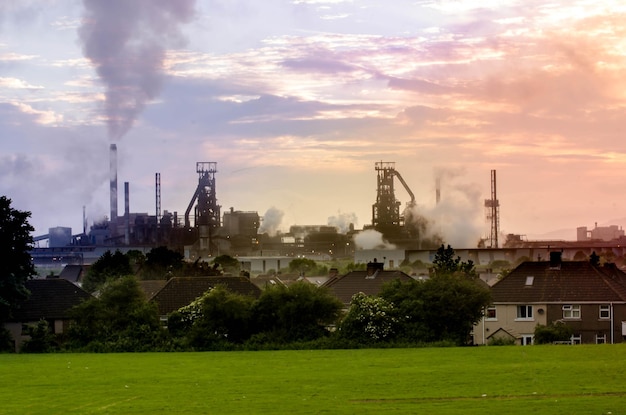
<point>207,211</point>
<point>386,217</point>
<point>492,211</point>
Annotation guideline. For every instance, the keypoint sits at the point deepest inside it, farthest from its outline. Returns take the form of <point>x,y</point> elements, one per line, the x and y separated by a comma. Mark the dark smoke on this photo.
<point>126,41</point>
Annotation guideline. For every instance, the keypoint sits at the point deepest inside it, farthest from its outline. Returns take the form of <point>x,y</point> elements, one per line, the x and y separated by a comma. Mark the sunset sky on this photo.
<point>296,100</point>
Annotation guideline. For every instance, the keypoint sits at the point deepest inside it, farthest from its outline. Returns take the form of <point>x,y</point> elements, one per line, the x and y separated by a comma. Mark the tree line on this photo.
<point>119,318</point>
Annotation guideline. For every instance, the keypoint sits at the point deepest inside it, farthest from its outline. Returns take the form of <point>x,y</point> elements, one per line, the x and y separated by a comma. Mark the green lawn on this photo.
<point>478,380</point>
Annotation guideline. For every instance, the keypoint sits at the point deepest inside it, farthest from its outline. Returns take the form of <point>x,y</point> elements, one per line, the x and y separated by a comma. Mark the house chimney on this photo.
<point>373,268</point>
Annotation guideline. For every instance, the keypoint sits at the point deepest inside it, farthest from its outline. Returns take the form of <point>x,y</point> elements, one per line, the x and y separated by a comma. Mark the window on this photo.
<point>600,338</point>
<point>529,280</point>
<point>524,312</point>
<point>605,311</point>
<point>526,339</point>
<point>490,314</point>
<point>571,311</point>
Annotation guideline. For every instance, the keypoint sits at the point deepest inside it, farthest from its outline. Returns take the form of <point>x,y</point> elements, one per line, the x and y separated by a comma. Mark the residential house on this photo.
<point>50,299</point>
<point>589,298</point>
<point>369,282</point>
<point>178,292</point>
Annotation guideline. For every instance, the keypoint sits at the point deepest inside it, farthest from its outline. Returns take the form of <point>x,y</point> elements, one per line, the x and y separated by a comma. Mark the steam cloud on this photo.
<point>457,219</point>
<point>343,221</point>
<point>371,239</point>
<point>126,41</point>
<point>271,221</point>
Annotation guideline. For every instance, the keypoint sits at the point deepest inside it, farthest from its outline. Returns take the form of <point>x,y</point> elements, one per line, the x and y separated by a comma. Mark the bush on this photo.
<point>501,341</point>
<point>369,320</point>
<point>42,340</point>
<point>6,341</point>
<point>300,312</point>
<point>556,331</point>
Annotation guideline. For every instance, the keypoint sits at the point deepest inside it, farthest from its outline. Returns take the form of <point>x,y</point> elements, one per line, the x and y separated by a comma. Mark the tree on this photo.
<point>442,308</point>
<point>446,263</point>
<point>216,317</point>
<point>120,319</point>
<point>299,312</point>
<point>228,263</point>
<point>302,265</point>
<point>162,263</point>
<point>108,267</point>
<point>16,266</point>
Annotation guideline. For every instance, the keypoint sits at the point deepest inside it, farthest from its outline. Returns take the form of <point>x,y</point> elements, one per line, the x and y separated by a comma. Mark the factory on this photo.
<point>204,231</point>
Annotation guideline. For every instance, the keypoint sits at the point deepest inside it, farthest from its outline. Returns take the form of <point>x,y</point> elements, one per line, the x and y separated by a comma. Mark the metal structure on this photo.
<point>207,211</point>
<point>113,183</point>
<point>386,215</point>
<point>126,213</point>
<point>157,196</point>
<point>492,210</point>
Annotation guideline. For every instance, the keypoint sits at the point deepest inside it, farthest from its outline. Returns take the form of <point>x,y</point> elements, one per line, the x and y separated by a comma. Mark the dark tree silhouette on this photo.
<point>16,266</point>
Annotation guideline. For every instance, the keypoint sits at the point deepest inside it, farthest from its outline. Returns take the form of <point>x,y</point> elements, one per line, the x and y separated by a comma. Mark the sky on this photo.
<point>296,100</point>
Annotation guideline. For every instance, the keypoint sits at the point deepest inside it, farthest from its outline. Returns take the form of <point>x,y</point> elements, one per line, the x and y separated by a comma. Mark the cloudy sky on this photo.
<point>296,100</point>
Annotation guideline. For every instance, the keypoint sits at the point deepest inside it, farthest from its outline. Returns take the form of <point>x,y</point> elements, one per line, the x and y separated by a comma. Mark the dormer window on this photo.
<point>529,280</point>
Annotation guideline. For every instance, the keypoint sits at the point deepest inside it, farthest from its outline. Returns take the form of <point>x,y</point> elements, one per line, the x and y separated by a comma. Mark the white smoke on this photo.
<point>343,221</point>
<point>270,223</point>
<point>371,239</point>
<point>458,217</point>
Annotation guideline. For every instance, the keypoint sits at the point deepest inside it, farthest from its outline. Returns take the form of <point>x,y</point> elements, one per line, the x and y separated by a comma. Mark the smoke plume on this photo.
<point>343,221</point>
<point>371,239</point>
<point>271,221</point>
<point>126,41</point>
<point>457,219</point>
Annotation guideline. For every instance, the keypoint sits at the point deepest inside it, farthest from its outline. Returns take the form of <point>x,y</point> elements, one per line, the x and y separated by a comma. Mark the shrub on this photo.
<point>556,331</point>
<point>369,319</point>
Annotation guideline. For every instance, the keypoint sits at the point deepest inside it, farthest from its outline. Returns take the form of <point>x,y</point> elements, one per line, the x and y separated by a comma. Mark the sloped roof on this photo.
<point>50,298</point>
<point>151,287</point>
<point>344,287</point>
<point>181,291</point>
<point>571,281</point>
<point>72,273</point>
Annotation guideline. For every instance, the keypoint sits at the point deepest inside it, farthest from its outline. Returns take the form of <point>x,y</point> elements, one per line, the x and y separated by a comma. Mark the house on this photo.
<point>591,299</point>
<point>50,299</point>
<point>178,292</point>
<point>369,282</point>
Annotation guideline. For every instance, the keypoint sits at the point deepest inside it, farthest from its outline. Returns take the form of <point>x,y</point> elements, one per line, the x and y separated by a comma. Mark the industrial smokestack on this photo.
<point>126,213</point>
<point>113,172</point>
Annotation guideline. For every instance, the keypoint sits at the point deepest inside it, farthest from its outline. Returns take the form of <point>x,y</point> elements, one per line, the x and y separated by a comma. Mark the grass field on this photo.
<point>480,380</point>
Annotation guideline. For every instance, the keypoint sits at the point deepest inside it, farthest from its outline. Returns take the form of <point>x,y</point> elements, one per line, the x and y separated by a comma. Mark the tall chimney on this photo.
<point>126,213</point>
<point>113,172</point>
